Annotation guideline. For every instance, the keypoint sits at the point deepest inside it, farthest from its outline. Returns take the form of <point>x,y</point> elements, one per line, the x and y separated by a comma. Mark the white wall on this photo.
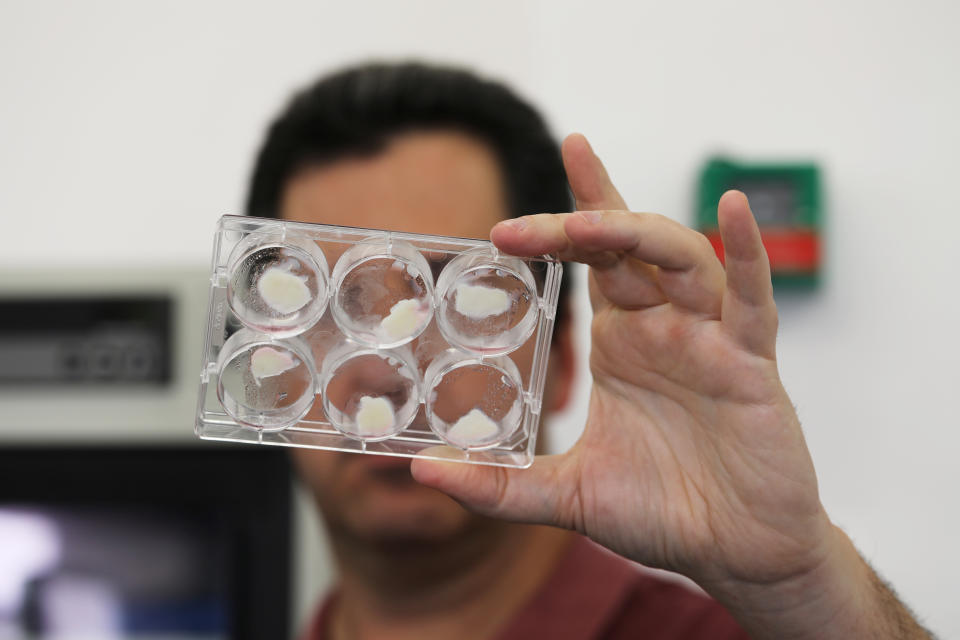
<point>126,129</point>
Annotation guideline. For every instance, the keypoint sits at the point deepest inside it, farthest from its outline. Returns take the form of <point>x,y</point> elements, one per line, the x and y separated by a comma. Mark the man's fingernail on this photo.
<point>589,146</point>
<point>593,217</point>
<point>517,224</point>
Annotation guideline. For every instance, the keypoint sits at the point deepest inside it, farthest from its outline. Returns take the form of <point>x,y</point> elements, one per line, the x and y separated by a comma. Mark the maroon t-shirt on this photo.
<point>594,594</point>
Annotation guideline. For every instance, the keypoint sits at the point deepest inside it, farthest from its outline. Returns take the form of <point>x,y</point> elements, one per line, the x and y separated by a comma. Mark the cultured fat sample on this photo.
<point>369,394</point>
<point>264,383</point>
<point>476,426</point>
<point>375,417</point>
<point>487,303</point>
<point>267,362</point>
<point>406,318</point>
<point>282,290</point>
<point>383,293</point>
<point>474,404</point>
<point>478,302</point>
<point>277,288</point>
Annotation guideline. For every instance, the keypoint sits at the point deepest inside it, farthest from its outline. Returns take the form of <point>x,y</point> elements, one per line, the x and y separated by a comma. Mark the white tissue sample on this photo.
<point>267,361</point>
<point>475,427</point>
<point>375,416</point>
<point>478,302</point>
<point>283,291</point>
<point>404,319</point>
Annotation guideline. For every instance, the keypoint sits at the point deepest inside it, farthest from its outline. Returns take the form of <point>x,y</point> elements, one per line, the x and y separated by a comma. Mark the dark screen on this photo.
<point>138,542</point>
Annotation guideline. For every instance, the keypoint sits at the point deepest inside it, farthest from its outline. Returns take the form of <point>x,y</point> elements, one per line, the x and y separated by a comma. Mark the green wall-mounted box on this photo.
<point>786,201</point>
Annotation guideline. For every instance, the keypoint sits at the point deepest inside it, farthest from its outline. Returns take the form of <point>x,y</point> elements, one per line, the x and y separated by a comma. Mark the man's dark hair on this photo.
<point>357,111</point>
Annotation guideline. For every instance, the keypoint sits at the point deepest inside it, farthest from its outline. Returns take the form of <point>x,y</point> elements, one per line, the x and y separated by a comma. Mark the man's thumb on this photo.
<point>524,495</point>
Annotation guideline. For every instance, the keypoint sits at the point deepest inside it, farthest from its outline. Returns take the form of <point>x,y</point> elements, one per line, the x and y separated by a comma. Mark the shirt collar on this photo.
<point>579,599</point>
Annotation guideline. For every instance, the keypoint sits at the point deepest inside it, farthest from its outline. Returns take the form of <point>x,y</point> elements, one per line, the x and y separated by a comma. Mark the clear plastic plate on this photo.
<point>378,342</point>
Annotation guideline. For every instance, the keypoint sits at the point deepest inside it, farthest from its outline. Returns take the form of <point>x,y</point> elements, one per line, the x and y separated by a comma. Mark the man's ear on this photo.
<point>562,366</point>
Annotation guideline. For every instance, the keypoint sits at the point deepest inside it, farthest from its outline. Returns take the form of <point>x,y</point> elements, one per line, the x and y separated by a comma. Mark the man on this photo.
<point>692,458</point>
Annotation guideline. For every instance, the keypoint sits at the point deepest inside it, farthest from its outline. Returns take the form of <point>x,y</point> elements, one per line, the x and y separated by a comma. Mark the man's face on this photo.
<point>428,182</point>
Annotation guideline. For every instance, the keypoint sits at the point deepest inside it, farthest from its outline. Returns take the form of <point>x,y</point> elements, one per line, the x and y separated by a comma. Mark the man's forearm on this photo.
<point>842,598</point>
<point>899,622</point>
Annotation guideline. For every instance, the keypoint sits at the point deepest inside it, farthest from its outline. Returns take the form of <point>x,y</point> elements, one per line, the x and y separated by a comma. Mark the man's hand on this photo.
<point>692,458</point>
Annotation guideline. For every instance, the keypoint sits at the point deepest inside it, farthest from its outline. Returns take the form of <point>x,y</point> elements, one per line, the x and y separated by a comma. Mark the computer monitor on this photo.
<point>144,542</point>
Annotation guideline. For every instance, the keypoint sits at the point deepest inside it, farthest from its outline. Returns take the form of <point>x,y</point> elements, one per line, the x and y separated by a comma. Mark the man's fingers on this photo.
<point>546,233</point>
<point>532,235</point>
<point>622,246</point>
<point>523,495</point>
<point>748,306</point>
<point>655,239</point>
<point>688,271</point>
<point>588,178</point>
